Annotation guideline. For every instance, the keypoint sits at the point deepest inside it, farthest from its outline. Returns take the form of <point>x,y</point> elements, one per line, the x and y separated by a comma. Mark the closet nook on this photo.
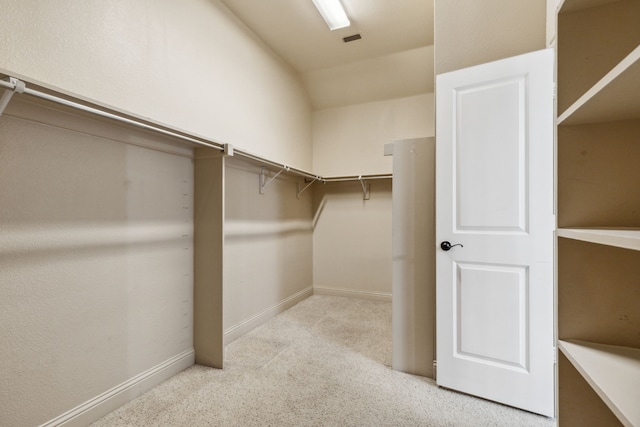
<point>598,207</point>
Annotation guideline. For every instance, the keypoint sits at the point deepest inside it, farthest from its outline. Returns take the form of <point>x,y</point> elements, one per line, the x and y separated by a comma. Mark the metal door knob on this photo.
<point>445,246</point>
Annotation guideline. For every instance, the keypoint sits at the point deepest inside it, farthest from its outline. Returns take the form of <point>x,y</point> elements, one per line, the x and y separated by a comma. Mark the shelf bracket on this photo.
<point>263,177</point>
<point>18,86</point>
<point>302,181</point>
<point>365,188</point>
<point>227,150</point>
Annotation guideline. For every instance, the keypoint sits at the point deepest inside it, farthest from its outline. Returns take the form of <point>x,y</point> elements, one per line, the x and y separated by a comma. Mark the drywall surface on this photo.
<point>352,240</point>
<point>350,140</point>
<point>471,32</point>
<point>414,253</point>
<point>397,75</point>
<point>96,260</point>
<point>267,246</point>
<point>187,64</point>
<point>208,266</point>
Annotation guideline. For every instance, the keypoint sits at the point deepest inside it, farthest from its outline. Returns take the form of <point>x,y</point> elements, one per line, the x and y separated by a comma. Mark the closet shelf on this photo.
<point>612,371</point>
<point>628,238</point>
<point>609,100</point>
<point>573,5</point>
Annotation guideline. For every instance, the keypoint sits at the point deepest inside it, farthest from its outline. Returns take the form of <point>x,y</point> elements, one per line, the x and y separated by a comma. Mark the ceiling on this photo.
<point>295,30</point>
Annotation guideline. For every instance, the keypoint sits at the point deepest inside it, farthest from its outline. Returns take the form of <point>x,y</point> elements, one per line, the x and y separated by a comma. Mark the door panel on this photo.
<point>494,196</point>
<point>491,199</point>
<point>492,298</point>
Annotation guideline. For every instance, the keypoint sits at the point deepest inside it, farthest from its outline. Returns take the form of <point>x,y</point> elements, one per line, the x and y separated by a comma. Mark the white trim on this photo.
<point>236,331</point>
<point>94,409</point>
<point>352,293</point>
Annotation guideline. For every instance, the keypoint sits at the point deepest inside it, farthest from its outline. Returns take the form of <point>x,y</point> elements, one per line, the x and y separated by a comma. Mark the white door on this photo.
<point>494,197</point>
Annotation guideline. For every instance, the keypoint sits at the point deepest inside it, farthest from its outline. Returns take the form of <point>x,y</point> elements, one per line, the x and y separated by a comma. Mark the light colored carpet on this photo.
<point>324,362</point>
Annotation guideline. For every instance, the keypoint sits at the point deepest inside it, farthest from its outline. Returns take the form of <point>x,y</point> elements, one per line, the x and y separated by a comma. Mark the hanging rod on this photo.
<point>112,116</point>
<point>267,162</point>
<point>18,86</point>
<point>357,177</point>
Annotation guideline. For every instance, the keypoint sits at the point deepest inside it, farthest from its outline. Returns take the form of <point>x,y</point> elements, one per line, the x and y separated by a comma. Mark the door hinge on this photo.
<point>435,370</point>
<point>554,91</point>
<point>555,354</point>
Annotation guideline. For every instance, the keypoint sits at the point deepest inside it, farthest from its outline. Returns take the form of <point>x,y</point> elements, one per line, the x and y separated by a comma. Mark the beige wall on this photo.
<point>96,260</point>
<point>472,32</point>
<point>352,240</point>
<point>267,247</point>
<point>414,269</point>
<point>187,64</point>
<point>97,253</point>
<point>352,236</point>
<point>397,75</point>
<point>350,140</point>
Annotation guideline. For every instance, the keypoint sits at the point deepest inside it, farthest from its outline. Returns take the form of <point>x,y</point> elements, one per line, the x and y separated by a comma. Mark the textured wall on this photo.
<point>268,245</point>
<point>95,262</point>
<point>96,281</point>
<point>472,32</point>
<point>352,239</point>
<point>350,140</point>
<point>188,64</point>
<point>397,75</point>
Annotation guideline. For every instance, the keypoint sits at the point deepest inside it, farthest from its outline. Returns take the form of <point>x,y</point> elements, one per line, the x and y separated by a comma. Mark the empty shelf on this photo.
<point>613,372</point>
<point>622,238</point>
<point>607,100</point>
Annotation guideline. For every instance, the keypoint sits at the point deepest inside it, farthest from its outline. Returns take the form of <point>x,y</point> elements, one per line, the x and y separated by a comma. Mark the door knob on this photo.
<point>445,246</point>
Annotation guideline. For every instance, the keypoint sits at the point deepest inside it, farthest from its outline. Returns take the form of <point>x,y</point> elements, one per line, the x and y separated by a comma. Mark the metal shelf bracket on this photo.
<point>301,184</point>
<point>365,188</point>
<point>18,86</point>
<point>263,177</point>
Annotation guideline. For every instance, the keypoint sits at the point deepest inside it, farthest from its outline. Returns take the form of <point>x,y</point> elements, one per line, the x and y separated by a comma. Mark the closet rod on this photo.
<point>267,162</point>
<point>105,114</point>
<point>357,177</point>
<point>190,139</point>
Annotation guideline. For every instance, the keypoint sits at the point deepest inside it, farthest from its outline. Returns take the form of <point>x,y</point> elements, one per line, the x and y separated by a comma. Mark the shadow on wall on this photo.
<point>267,249</point>
<point>92,265</point>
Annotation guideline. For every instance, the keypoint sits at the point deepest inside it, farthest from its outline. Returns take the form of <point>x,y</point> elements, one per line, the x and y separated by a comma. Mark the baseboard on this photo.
<point>352,293</point>
<point>94,409</point>
<point>245,326</point>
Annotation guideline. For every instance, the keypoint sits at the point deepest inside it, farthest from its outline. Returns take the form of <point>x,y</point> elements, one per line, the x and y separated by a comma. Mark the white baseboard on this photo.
<point>245,326</point>
<point>94,409</point>
<point>352,293</point>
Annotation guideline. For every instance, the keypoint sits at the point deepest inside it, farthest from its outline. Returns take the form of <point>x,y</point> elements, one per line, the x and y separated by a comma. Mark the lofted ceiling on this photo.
<point>396,43</point>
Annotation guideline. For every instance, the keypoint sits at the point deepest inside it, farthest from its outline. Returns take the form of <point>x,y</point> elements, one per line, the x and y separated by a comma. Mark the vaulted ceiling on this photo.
<point>394,57</point>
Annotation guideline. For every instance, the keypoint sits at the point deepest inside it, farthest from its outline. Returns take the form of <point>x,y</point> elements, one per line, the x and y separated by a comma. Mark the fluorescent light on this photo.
<point>333,13</point>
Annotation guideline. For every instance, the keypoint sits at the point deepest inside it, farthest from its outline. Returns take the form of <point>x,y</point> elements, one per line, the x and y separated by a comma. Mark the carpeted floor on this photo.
<point>324,362</point>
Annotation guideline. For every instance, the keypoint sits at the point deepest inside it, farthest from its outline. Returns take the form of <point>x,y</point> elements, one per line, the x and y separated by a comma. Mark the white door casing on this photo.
<point>494,197</point>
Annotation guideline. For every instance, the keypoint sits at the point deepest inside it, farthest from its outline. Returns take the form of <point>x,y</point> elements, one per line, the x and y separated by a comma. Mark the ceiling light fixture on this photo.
<point>333,13</point>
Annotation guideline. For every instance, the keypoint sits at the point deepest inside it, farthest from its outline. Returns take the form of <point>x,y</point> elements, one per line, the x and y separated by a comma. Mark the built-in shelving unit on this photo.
<point>598,191</point>
<point>612,371</point>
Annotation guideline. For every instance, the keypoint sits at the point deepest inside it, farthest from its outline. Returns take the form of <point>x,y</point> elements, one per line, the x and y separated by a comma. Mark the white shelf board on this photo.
<point>613,372</point>
<point>622,238</point>
<point>573,5</point>
<point>609,99</point>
